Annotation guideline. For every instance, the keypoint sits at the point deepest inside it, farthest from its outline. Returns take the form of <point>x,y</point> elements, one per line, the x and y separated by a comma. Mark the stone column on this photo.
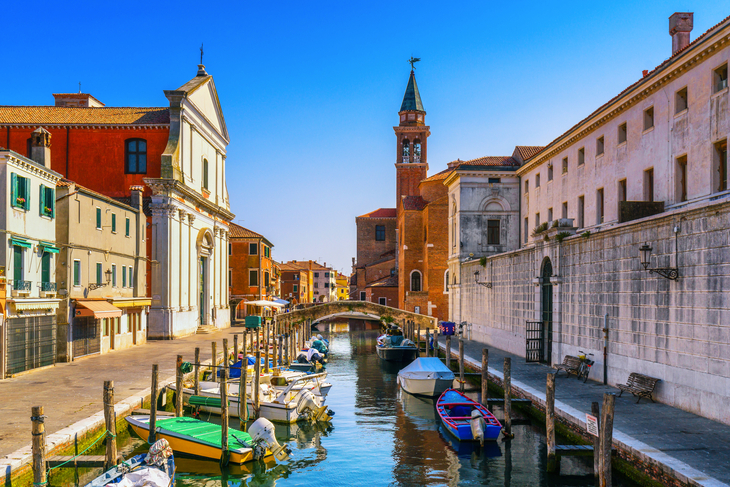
<point>192,264</point>
<point>180,269</point>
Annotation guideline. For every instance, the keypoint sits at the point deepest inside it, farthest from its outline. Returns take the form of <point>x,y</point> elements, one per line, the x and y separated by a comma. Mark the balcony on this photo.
<point>416,157</point>
<point>21,288</point>
<point>48,289</point>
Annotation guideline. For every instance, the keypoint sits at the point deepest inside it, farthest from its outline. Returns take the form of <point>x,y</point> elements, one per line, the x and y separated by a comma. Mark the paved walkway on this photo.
<point>72,392</point>
<point>693,446</point>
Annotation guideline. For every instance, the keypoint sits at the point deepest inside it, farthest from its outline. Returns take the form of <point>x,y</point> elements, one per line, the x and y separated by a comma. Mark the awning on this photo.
<point>263,302</point>
<point>33,304</point>
<point>19,242</point>
<point>49,247</point>
<point>132,303</point>
<point>97,309</point>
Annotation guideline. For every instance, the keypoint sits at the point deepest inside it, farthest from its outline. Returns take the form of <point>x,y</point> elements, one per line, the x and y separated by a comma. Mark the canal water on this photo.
<point>381,436</point>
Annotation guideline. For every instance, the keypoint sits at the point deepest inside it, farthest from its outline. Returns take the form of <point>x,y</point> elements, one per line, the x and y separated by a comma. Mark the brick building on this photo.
<point>253,273</point>
<point>376,242</point>
<point>294,284</point>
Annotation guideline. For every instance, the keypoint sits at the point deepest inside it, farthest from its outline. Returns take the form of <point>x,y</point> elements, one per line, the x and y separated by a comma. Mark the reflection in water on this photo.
<point>384,436</point>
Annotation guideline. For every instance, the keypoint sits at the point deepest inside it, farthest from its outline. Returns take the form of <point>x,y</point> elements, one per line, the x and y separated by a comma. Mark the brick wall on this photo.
<point>369,249</point>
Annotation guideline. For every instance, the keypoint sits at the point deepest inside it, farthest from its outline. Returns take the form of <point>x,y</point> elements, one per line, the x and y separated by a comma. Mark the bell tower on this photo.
<point>411,133</point>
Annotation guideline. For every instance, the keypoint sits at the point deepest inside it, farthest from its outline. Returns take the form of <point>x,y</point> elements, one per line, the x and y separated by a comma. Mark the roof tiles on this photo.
<point>52,115</point>
<point>380,213</point>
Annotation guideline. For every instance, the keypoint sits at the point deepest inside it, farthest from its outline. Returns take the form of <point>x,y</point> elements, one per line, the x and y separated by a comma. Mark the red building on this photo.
<point>252,270</point>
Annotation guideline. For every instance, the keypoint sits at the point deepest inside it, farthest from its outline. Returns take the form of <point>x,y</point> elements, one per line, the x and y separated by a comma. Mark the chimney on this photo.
<point>136,199</point>
<point>680,25</point>
<point>78,100</point>
<point>40,147</point>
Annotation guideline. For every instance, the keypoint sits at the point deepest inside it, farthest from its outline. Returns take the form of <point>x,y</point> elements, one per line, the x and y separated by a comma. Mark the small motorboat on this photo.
<point>153,469</point>
<point>395,348</point>
<point>190,436</point>
<point>426,376</point>
<point>466,419</point>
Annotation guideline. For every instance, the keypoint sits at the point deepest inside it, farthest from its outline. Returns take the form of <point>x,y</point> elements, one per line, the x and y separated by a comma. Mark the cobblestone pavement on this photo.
<point>73,391</point>
<point>700,443</point>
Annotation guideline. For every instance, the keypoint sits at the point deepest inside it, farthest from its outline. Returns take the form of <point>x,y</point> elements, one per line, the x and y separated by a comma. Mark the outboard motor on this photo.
<point>478,425</point>
<point>263,438</point>
<point>308,407</point>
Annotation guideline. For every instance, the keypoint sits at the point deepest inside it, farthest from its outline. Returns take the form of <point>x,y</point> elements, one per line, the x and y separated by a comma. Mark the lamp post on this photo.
<point>671,273</point>
<point>488,285</point>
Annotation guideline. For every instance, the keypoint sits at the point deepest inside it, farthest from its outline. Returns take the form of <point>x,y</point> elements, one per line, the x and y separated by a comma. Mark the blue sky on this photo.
<point>311,90</point>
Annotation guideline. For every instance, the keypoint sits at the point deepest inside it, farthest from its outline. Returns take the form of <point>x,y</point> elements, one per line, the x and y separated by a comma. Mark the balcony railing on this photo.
<point>416,157</point>
<point>21,285</point>
<point>48,287</point>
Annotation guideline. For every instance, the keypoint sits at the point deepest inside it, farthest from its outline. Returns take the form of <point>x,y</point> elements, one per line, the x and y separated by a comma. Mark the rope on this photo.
<point>101,437</point>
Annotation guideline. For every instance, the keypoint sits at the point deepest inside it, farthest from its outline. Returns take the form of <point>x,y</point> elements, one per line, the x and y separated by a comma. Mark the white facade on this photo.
<point>325,284</point>
<point>189,233</point>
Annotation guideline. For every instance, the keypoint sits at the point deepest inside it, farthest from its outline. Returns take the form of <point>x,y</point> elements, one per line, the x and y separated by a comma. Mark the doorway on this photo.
<point>547,311</point>
<point>203,290</point>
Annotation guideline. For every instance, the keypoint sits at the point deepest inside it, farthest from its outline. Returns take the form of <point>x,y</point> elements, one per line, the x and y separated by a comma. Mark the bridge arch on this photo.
<point>355,309</point>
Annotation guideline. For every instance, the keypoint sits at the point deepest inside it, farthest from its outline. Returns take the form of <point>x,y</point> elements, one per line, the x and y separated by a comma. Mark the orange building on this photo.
<point>294,284</point>
<point>252,273</point>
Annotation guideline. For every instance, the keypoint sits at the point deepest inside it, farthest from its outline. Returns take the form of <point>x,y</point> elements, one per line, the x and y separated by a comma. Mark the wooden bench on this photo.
<point>639,385</point>
<point>571,365</point>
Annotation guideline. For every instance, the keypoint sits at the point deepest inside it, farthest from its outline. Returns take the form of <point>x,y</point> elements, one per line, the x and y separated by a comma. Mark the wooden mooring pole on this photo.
<point>235,348</point>
<point>485,378</point>
<point>153,406</point>
<point>428,340</point>
<point>553,462</point>
<point>606,439</point>
<point>507,431</point>
<point>39,445</point>
<point>110,420</point>
<point>266,347</point>
<point>179,387</point>
<point>275,346</point>
<point>596,411</point>
<point>214,361</point>
<point>435,343</point>
<point>243,394</point>
<point>257,382</point>
<point>448,351</point>
<point>418,341</point>
<point>285,341</point>
<point>461,365</point>
<point>196,372</point>
<point>224,411</point>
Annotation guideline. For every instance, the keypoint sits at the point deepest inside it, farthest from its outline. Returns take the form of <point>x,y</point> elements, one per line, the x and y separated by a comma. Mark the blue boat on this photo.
<point>156,468</point>
<point>466,419</point>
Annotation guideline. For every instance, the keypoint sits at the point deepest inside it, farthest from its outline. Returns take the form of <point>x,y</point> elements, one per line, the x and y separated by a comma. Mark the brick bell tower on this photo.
<point>412,133</point>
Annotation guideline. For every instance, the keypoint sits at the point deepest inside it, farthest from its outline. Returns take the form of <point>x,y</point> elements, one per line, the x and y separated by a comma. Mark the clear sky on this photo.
<point>311,90</point>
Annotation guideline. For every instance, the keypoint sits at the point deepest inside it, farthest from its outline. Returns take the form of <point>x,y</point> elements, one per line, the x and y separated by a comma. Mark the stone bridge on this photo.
<point>363,310</point>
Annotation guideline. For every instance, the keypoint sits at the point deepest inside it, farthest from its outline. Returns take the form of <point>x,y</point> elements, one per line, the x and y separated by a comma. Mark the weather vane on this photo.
<point>413,60</point>
<point>201,53</point>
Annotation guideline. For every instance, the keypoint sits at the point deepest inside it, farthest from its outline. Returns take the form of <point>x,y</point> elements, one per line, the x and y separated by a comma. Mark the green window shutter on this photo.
<point>42,200</point>
<point>98,218</point>
<point>13,189</point>
<point>127,229</point>
<point>51,195</point>
<point>124,276</point>
<point>27,193</point>
<point>77,273</point>
<point>98,273</point>
<point>114,223</point>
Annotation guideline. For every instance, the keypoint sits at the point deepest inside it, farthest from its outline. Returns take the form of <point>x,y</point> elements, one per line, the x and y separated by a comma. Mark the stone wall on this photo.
<point>678,331</point>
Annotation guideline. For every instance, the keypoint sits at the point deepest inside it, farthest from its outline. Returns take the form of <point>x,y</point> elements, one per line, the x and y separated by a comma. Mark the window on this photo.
<point>622,134</point>
<point>380,233</point>
<point>326,284</point>
<point>648,118</point>
<point>527,186</point>
<point>581,209</point>
<point>296,277</point>
<point>205,173</point>
<point>719,78</point>
<point>415,281</point>
<point>253,249</point>
<point>494,180</point>
<point>267,251</point>
<point>316,285</point>
<point>537,180</point>
<point>649,185</point>
<point>98,218</point>
<point>135,156</point>
<point>680,100</point>
<point>525,231</point>
<point>47,203</point>
<point>550,172</point>
<point>581,156</point>
<point>720,165</point>
<point>406,150</point>
<point>326,274</point>
<point>98,273</point>
<point>565,165</point>
<point>77,273</point>
<point>114,275</point>
<point>492,232</point>
<point>45,269</point>
<point>114,223</point>
<point>537,219</point>
<point>230,277</point>
<point>124,276</point>
<point>296,288</point>
<point>131,282</point>
<point>565,209</point>
<point>383,301</point>
<point>266,279</point>
<point>253,277</point>
<point>18,266</point>
<point>316,274</point>
<point>550,215</point>
<point>446,282</point>
<point>362,295</point>
<point>681,178</point>
<point>126,228</point>
<point>622,190</point>
<point>599,145</point>
<point>230,248</point>
<point>20,192</point>
<point>599,206</point>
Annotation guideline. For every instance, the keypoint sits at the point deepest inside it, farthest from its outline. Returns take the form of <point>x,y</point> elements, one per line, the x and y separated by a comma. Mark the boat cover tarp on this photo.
<point>451,397</point>
<point>203,432</point>
<point>427,368</point>
<point>234,370</point>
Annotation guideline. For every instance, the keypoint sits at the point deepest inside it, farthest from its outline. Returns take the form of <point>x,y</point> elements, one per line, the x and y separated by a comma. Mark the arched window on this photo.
<point>406,150</point>
<point>135,156</point>
<point>415,281</point>
<point>446,282</point>
<point>417,150</point>
<point>205,173</point>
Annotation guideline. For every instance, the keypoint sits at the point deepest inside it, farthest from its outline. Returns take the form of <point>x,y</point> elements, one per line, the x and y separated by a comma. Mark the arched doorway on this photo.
<point>546,307</point>
<point>205,244</point>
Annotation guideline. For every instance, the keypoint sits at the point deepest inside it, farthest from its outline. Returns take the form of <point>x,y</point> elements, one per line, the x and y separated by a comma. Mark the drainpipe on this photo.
<point>605,349</point>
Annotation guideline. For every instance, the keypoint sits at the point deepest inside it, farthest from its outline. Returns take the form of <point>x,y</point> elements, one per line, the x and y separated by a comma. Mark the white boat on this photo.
<point>426,376</point>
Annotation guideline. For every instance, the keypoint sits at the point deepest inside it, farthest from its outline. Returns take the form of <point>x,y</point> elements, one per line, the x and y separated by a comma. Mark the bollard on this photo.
<point>178,387</point>
<point>553,463</point>
<point>196,371</point>
<point>38,430</point>
<point>606,439</point>
<point>224,412</point>
<point>507,431</point>
<point>110,420</point>
<point>485,378</point>
<point>153,407</point>
<point>448,351</point>
<point>428,336</point>
<point>257,382</point>
<point>461,365</point>
<point>596,411</point>
<point>235,348</point>
<point>214,362</point>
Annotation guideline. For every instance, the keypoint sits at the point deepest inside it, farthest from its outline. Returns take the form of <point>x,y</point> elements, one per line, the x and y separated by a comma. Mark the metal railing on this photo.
<point>48,287</point>
<point>22,285</point>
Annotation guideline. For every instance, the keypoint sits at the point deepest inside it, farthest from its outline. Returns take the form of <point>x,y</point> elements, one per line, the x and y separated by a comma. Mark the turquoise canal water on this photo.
<point>381,436</point>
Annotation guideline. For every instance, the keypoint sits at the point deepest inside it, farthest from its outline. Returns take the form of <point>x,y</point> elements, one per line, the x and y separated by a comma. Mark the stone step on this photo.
<point>204,330</point>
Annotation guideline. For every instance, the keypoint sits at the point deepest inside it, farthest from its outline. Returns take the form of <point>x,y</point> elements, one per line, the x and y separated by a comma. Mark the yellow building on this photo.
<point>343,287</point>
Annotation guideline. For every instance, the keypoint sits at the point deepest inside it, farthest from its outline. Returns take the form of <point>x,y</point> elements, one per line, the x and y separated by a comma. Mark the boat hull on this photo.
<point>397,354</point>
<point>425,387</point>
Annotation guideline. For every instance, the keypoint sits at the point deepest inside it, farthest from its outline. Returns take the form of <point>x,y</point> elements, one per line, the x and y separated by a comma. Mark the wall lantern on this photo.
<point>488,285</point>
<point>666,272</point>
<point>97,285</point>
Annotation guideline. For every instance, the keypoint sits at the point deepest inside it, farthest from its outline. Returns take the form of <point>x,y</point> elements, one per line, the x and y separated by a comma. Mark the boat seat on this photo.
<point>460,412</point>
